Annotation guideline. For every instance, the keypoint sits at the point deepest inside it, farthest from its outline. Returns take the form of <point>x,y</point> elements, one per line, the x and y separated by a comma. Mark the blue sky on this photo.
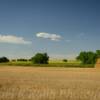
<point>62,28</point>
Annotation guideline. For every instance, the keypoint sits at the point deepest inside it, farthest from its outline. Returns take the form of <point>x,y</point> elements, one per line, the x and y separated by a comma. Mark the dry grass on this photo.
<point>27,83</point>
<point>98,63</point>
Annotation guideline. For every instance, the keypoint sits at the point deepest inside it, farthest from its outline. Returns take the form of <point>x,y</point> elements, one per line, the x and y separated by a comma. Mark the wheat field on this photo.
<point>45,83</point>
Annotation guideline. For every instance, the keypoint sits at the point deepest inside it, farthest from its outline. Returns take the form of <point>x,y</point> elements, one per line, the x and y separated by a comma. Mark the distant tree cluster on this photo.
<point>4,59</point>
<point>88,57</point>
<point>22,59</point>
<point>40,58</point>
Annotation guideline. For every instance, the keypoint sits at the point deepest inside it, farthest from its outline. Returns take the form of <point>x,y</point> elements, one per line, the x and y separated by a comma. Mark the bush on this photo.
<point>4,59</point>
<point>13,60</point>
<point>29,59</point>
<point>40,58</point>
<point>65,60</point>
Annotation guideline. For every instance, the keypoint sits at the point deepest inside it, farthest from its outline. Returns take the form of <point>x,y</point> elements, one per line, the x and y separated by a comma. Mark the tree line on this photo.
<point>86,57</point>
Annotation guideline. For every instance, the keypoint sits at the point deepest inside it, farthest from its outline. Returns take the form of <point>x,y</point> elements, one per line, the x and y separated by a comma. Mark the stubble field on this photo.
<point>49,83</point>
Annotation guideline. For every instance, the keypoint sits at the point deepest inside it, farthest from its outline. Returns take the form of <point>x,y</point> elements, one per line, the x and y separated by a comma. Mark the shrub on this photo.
<point>4,59</point>
<point>13,60</point>
<point>65,60</point>
<point>29,59</point>
<point>40,58</point>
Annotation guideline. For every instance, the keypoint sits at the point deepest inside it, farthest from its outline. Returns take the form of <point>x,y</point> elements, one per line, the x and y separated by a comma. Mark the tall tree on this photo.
<point>40,58</point>
<point>87,57</point>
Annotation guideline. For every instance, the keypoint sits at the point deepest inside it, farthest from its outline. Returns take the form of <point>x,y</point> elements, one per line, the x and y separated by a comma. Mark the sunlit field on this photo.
<point>49,49</point>
<point>49,83</point>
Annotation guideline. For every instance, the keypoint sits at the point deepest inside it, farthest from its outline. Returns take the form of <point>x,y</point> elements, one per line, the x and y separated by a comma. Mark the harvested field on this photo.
<point>43,83</point>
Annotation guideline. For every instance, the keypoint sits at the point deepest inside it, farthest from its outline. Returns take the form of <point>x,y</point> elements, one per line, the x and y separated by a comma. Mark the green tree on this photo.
<point>87,57</point>
<point>4,59</point>
<point>40,58</point>
<point>98,53</point>
<point>91,57</point>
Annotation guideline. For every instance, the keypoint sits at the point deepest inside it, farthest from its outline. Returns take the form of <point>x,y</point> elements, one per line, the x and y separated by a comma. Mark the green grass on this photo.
<point>69,61</point>
<point>69,64</point>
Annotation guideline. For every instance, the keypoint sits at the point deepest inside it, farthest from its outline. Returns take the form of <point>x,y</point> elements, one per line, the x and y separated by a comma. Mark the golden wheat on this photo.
<point>27,83</point>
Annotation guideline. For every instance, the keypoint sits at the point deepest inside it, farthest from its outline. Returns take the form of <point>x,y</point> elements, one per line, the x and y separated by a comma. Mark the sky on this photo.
<point>62,28</point>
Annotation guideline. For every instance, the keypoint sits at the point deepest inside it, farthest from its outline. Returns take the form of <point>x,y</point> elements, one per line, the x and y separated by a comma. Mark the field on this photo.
<point>49,83</point>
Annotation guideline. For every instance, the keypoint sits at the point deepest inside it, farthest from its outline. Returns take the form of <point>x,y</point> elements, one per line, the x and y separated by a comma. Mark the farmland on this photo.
<point>49,83</point>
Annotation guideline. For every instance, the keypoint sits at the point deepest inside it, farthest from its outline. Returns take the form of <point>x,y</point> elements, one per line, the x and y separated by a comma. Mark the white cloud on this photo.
<point>53,37</point>
<point>13,39</point>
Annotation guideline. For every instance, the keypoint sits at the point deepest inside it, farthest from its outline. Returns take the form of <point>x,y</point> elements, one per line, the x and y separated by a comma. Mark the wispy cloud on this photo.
<point>81,35</point>
<point>68,41</point>
<point>53,37</point>
<point>13,39</point>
